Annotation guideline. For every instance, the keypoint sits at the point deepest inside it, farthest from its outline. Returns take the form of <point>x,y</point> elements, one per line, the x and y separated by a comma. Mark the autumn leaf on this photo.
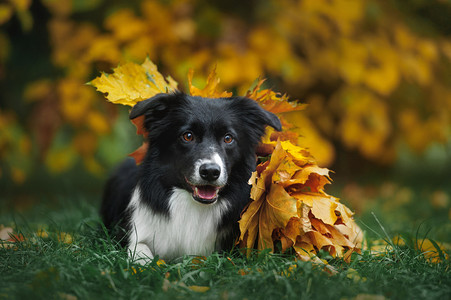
<point>275,212</point>
<point>131,83</point>
<point>139,154</point>
<point>9,239</point>
<point>272,101</point>
<point>198,288</point>
<point>5,233</point>
<point>211,88</point>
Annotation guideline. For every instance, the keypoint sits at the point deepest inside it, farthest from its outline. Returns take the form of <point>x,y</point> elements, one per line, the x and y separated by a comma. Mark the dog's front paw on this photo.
<point>140,254</point>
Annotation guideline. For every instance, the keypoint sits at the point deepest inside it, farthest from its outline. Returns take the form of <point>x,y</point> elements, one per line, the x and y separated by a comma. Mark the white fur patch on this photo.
<point>190,229</point>
<point>215,158</point>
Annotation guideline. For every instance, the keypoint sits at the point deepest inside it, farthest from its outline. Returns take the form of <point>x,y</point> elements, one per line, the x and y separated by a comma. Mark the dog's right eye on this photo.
<point>188,136</point>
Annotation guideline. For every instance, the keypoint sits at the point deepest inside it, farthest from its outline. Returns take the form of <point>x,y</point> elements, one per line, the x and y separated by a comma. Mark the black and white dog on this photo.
<point>187,195</point>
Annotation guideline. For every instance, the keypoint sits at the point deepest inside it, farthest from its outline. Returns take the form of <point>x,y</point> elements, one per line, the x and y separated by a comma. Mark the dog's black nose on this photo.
<point>210,171</point>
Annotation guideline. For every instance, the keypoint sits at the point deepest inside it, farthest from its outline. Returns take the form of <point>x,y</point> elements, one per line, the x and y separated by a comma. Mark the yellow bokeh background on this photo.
<point>376,78</point>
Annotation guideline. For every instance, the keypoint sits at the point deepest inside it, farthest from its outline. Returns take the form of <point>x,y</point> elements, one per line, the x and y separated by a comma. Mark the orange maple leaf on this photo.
<point>272,101</point>
<point>211,88</point>
<point>139,154</point>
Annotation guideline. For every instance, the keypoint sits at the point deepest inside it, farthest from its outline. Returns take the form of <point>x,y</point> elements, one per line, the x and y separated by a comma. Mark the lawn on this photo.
<point>62,252</point>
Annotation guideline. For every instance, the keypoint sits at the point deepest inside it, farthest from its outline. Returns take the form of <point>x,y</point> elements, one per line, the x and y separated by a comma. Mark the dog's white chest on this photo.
<point>191,228</point>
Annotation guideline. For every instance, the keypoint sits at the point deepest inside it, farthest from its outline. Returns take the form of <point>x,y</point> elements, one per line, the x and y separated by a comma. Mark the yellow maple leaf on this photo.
<point>131,83</point>
<point>275,212</point>
<point>324,209</point>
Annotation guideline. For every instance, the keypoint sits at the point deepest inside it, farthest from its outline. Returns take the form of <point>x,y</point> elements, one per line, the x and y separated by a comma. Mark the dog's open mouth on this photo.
<point>206,194</point>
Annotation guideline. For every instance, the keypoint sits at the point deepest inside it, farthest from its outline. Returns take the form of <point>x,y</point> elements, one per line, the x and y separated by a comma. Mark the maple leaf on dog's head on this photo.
<point>131,83</point>
<point>211,88</point>
<point>272,101</point>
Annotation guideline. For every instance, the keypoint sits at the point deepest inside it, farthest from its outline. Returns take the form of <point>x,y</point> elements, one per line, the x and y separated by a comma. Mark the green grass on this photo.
<point>91,266</point>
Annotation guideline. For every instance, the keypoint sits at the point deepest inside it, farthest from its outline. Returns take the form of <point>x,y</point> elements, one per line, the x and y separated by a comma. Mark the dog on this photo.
<point>186,197</point>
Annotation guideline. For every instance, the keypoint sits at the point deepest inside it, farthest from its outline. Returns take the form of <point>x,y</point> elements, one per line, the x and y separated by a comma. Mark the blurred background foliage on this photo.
<point>376,76</point>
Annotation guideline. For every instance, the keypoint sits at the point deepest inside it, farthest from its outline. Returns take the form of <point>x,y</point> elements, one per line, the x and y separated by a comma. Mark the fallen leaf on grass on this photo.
<point>161,263</point>
<point>198,288</point>
<point>42,233</point>
<point>433,251</point>
<point>167,285</point>
<point>380,247</point>
<point>135,271</point>
<point>354,275</point>
<point>65,238</point>
<point>243,272</point>
<point>8,238</point>
<point>369,297</point>
<point>5,233</point>
<point>65,296</point>
<point>290,271</point>
<point>198,262</point>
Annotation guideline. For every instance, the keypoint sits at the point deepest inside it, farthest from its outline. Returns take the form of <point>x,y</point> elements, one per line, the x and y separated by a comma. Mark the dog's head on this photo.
<point>197,143</point>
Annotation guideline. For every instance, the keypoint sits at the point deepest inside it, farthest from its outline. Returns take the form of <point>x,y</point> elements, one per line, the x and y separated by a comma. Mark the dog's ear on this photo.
<point>155,104</point>
<point>272,120</point>
<point>253,110</point>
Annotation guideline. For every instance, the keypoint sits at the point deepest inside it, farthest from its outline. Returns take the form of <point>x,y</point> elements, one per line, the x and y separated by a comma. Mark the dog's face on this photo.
<point>197,143</point>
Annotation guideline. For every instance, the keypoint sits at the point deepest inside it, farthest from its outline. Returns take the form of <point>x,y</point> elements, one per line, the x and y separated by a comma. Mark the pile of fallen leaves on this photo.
<point>288,203</point>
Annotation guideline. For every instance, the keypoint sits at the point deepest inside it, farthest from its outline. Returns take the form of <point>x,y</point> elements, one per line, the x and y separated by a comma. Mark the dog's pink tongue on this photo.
<point>207,192</point>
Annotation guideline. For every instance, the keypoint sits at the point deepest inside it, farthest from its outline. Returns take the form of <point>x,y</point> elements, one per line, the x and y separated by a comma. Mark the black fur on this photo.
<point>167,116</point>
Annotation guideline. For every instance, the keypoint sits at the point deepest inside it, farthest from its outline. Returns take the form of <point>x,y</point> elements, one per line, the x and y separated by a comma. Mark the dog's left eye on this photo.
<point>228,138</point>
<point>188,136</point>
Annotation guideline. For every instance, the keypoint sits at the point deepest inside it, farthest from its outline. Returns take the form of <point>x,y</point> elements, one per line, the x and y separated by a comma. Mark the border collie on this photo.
<point>186,197</point>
